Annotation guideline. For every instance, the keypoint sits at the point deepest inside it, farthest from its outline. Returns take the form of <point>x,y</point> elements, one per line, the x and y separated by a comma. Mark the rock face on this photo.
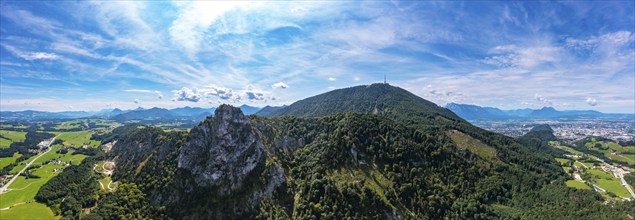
<point>223,150</point>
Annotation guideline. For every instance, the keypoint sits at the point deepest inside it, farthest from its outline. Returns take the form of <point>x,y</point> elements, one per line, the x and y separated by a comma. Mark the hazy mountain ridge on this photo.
<point>139,114</point>
<point>474,112</point>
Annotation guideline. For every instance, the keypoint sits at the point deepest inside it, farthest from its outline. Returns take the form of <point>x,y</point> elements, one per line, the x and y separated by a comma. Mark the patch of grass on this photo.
<point>581,165</point>
<point>600,174</point>
<point>104,182</point>
<point>577,184</point>
<point>473,145</point>
<point>568,149</point>
<point>5,161</point>
<point>563,161</point>
<point>8,137</point>
<point>24,190</point>
<point>613,186</point>
<point>374,179</point>
<point>78,139</point>
<point>31,210</point>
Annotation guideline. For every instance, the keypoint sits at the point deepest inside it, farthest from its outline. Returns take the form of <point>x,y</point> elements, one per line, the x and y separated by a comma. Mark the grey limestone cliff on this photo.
<point>223,150</point>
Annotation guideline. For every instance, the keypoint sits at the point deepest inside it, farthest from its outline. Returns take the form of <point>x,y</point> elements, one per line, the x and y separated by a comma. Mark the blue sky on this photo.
<point>83,55</point>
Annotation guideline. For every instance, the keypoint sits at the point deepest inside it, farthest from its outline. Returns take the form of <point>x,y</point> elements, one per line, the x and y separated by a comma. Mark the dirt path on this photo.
<point>6,187</point>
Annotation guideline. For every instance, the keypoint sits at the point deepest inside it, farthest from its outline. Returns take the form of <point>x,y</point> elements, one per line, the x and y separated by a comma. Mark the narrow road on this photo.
<point>6,186</point>
<point>625,184</point>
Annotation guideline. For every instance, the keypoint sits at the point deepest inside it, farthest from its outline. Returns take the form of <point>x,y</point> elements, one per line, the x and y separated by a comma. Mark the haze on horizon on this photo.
<point>59,56</point>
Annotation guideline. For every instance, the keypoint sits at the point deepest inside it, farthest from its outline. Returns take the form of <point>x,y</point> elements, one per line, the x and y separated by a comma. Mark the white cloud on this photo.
<point>356,78</point>
<point>592,101</point>
<point>279,85</point>
<point>69,107</point>
<point>527,57</point>
<point>250,93</point>
<point>221,93</point>
<point>157,92</point>
<point>187,94</point>
<point>332,78</point>
<point>542,99</point>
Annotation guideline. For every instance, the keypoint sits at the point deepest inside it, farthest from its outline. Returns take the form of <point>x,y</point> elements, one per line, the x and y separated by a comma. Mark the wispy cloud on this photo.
<point>206,52</point>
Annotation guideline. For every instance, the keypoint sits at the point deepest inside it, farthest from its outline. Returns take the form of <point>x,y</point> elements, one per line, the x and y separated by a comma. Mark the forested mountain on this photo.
<point>366,152</point>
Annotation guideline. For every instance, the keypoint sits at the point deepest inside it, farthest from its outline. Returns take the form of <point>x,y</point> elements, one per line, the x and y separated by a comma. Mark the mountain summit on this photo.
<point>381,99</point>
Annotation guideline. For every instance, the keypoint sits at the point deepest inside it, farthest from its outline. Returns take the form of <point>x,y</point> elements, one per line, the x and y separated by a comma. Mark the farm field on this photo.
<point>613,150</point>
<point>5,161</point>
<point>67,157</point>
<point>8,137</point>
<point>78,138</point>
<point>24,190</point>
<point>31,210</point>
<point>613,186</point>
<point>21,165</point>
<point>577,184</point>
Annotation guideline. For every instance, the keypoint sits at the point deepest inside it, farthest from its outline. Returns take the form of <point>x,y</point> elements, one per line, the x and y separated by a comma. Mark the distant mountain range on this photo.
<point>139,114</point>
<point>474,112</point>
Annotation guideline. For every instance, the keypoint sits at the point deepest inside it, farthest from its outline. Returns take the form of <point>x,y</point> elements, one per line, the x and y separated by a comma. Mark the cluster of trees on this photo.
<point>77,187</point>
<point>126,202</point>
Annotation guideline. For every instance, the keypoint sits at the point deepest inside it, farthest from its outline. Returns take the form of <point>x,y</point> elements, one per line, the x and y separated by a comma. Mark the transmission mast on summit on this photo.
<point>385,79</point>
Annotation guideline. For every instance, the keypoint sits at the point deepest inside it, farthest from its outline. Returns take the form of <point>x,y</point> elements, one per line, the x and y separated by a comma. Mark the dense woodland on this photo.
<point>72,190</point>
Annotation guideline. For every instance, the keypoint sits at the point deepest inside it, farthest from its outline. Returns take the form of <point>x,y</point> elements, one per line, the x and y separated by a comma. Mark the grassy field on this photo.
<point>568,149</point>
<point>5,161</point>
<point>68,125</point>
<point>473,145</point>
<point>607,147</point>
<point>8,137</point>
<point>600,174</point>
<point>31,210</point>
<point>22,164</point>
<point>78,139</point>
<point>24,190</point>
<point>67,157</point>
<point>613,186</point>
<point>577,184</point>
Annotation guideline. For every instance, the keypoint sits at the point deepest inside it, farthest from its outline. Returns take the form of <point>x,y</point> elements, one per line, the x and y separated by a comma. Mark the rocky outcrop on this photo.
<point>222,151</point>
